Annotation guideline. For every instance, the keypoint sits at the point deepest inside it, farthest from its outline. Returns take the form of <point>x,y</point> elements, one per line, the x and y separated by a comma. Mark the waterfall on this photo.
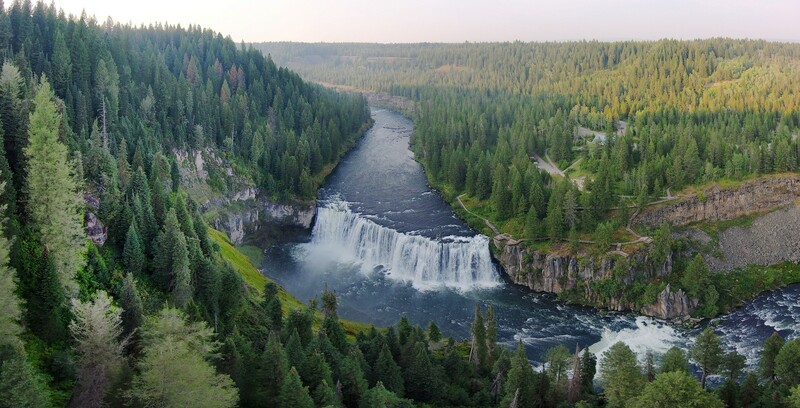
<point>456,262</point>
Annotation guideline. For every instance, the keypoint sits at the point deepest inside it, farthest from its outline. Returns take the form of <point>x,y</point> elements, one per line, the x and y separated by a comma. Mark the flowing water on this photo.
<point>389,245</point>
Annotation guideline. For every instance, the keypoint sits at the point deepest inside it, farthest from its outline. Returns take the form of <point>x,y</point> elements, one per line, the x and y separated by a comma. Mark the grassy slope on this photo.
<point>256,281</point>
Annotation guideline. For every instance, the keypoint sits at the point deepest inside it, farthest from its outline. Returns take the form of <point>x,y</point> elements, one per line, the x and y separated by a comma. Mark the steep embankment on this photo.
<point>231,202</point>
<point>636,283</point>
<point>604,281</point>
<point>716,203</point>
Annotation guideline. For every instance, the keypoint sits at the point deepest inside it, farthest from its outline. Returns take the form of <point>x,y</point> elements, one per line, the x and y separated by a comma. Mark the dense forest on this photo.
<point>158,310</point>
<point>617,125</point>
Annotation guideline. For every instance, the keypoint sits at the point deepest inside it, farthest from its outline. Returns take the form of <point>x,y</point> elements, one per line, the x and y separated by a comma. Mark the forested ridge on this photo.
<point>618,126</point>
<point>158,310</point>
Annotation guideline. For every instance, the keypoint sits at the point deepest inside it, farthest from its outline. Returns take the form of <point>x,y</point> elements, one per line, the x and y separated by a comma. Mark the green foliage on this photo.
<point>787,363</point>
<point>675,389</point>
<point>697,282</point>
<point>387,372</point>
<point>174,370</point>
<point>9,303</point>
<point>293,393</point>
<point>769,353</point>
<point>620,375</point>
<point>21,385</point>
<point>707,353</point>
<point>54,201</point>
<point>674,360</point>
<point>521,382</point>
<point>97,329</point>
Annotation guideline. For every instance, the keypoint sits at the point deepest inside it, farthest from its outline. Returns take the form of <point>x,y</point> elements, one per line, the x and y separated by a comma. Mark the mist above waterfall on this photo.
<point>343,236</point>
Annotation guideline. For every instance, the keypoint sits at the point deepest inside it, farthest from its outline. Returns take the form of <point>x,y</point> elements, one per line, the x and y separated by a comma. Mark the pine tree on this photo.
<point>434,334</point>
<point>22,386</point>
<point>575,383</point>
<point>420,377</point>
<point>315,370</point>
<point>273,370</point>
<point>131,303</point>
<point>9,303</point>
<point>388,372</point>
<point>293,393</point>
<point>479,350</point>
<point>707,353</point>
<point>380,397</point>
<point>272,305</point>
<point>588,370</point>
<point>174,370</point>
<point>491,336</point>
<point>294,350</point>
<point>54,200</point>
<point>352,378</point>
<point>674,389</point>
<point>770,349</point>
<point>674,360</point>
<point>133,257</point>
<point>621,376</point>
<point>787,363</point>
<point>520,381</point>
<point>96,329</point>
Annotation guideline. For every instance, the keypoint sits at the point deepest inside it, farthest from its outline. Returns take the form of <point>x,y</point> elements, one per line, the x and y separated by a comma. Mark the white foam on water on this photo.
<point>343,236</point>
<point>648,335</point>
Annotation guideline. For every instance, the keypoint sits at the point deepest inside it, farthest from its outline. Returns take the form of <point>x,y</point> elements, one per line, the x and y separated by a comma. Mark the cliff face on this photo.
<point>556,273</point>
<point>717,204</point>
<point>238,209</point>
<point>253,215</point>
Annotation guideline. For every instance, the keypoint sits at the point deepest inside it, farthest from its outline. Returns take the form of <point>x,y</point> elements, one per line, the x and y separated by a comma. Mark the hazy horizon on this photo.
<point>414,21</point>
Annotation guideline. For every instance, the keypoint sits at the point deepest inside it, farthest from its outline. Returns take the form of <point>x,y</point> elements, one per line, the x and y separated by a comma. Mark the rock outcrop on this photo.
<point>558,273</point>
<point>240,209</point>
<point>251,216</point>
<point>721,204</point>
<point>670,305</point>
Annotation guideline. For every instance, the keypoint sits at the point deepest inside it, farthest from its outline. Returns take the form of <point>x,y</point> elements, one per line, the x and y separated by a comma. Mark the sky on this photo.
<point>396,21</point>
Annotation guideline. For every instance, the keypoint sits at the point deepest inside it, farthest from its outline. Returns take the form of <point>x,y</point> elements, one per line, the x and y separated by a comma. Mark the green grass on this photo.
<point>256,281</point>
<point>253,253</point>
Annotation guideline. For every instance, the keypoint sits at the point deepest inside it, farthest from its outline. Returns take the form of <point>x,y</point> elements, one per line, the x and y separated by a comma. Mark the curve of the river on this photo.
<point>389,245</point>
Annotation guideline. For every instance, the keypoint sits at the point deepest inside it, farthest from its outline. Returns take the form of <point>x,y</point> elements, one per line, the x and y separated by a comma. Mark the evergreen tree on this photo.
<point>675,389</point>
<point>769,351</point>
<point>380,397</point>
<point>293,393</point>
<point>479,350</point>
<point>388,372</point>
<point>22,386</point>
<point>434,335</point>
<point>96,329</point>
<point>588,370</point>
<point>707,353</point>
<point>352,379</point>
<point>273,370</point>
<point>9,303</point>
<point>174,370</point>
<point>315,370</point>
<point>621,376</point>
<point>420,379</point>
<point>54,200</point>
<point>674,360</point>
<point>520,381</point>
<point>133,257</point>
<point>787,363</point>
<point>131,303</point>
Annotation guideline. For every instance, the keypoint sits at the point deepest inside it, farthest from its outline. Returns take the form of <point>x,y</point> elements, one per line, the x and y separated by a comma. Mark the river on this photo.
<point>388,245</point>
